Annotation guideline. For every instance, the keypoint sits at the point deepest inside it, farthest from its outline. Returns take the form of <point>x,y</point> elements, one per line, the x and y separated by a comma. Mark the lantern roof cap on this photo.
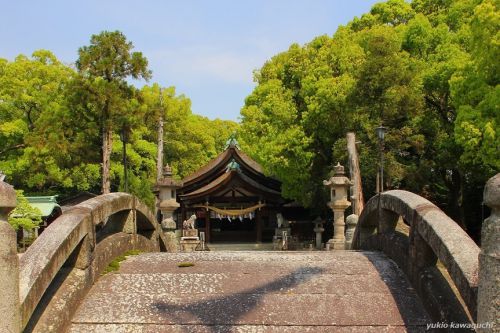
<point>338,177</point>
<point>167,171</point>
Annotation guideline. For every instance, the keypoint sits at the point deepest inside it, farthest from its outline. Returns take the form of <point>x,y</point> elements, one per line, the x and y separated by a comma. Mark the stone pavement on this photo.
<point>240,247</point>
<point>294,292</point>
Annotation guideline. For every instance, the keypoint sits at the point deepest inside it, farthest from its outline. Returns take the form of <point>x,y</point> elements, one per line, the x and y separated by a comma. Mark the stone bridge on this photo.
<point>411,267</point>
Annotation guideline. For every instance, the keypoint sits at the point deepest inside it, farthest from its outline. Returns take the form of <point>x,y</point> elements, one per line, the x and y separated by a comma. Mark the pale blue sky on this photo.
<point>206,49</point>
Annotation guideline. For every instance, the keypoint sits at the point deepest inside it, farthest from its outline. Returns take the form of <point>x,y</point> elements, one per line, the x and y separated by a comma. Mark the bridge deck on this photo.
<point>253,292</point>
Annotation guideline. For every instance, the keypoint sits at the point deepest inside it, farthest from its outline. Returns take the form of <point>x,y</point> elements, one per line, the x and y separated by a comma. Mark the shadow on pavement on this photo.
<point>227,310</point>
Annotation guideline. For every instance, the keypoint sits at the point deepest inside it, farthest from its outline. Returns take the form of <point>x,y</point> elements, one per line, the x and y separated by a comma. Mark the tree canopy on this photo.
<point>52,120</point>
<point>104,66</point>
<point>426,70</point>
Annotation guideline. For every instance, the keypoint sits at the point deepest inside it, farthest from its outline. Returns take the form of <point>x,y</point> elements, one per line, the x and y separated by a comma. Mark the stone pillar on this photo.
<point>168,225</point>
<point>318,229</point>
<point>9,264</point>
<point>351,221</point>
<point>338,185</point>
<point>488,309</point>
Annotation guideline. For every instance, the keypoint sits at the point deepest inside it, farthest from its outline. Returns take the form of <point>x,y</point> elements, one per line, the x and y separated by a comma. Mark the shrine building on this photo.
<point>232,199</point>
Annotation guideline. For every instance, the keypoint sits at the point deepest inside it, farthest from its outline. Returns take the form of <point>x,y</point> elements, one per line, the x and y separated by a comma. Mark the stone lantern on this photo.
<point>318,229</point>
<point>339,185</point>
<point>167,204</point>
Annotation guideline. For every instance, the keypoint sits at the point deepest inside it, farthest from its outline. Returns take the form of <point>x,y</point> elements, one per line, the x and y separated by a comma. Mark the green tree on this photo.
<point>106,64</point>
<point>272,135</point>
<point>32,101</point>
<point>476,92</point>
<point>24,215</point>
<point>427,70</point>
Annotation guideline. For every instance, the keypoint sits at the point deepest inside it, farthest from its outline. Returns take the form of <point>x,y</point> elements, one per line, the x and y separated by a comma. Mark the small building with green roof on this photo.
<point>48,206</point>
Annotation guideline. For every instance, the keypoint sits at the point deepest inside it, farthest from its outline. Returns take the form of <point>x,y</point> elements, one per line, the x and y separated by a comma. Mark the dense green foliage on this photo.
<point>24,215</point>
<point>428,70</point>
<point>52,120</point>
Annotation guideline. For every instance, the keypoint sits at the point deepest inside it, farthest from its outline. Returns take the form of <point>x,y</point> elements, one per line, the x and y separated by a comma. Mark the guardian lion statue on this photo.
<point>189,224</point>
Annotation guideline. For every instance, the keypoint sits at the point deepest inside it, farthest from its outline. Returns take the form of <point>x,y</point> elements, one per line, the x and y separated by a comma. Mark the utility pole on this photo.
<point>159,157</point>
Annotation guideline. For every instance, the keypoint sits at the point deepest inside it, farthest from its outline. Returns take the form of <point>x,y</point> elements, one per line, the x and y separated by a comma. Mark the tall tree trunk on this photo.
<point>355,174</point>
<point>125,166</point>
<point>159,163</point>
<point>458,187</point>
<point>159,157</point>
<point>454,182</point>
<point>107,142</point>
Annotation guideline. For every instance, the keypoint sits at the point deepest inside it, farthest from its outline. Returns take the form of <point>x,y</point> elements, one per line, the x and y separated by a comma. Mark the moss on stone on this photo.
<point>185,264</point>
<point>115,264</point>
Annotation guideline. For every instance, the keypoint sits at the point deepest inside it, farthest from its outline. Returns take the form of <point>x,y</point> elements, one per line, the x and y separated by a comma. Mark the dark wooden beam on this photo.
<point>207,226</point>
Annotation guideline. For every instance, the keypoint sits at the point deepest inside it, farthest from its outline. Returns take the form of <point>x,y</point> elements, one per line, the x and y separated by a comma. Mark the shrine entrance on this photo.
<point>249,226</point>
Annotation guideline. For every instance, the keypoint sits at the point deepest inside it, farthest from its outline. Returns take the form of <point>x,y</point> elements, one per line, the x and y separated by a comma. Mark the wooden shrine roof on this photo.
<point>230,169</point>
<point>229,179</point>
<point>217,167</point>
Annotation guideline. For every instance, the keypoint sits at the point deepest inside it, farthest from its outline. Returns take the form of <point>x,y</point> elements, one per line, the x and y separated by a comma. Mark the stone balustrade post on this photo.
<point>9,264</point>
<point>351,221</point>
<point>488,310</point>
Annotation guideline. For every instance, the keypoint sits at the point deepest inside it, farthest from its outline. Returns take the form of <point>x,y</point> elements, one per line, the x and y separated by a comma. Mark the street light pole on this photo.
<point>381,135</point>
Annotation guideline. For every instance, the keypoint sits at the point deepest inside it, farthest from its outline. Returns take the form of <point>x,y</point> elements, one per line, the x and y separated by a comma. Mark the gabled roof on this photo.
<point>218,165</point>
<point>232,177</point>
<point>221,160</point>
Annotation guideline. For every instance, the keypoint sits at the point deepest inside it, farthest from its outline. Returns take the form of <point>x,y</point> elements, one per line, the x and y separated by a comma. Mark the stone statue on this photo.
<point>282,223</point>
<point>280,220</point>
<point>189,224</point>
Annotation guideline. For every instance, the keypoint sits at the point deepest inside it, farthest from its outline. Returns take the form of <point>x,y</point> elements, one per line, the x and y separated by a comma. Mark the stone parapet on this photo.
<point>9,264</point>
<point>488,312</point>
<point>433,235</point>
<point>61,265</point>
<point>351,221</point>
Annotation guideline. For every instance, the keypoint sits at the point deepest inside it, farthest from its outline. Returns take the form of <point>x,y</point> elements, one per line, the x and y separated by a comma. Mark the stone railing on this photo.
<point>488,307</point>
<point>59,268</point>
<point>433,235</point>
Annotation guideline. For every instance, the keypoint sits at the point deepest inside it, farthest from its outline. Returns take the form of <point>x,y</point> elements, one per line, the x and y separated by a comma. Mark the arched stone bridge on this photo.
<point>399,279</point>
